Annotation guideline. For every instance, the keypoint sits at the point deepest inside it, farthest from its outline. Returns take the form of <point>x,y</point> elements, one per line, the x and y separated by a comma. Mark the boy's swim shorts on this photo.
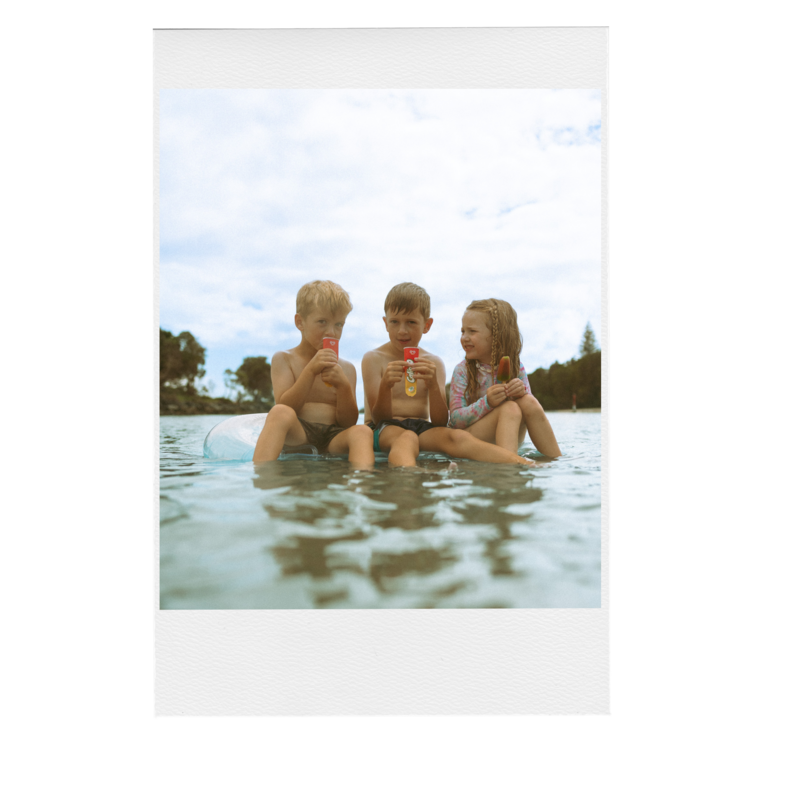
<point>418,426</point>
<point>320,435</point>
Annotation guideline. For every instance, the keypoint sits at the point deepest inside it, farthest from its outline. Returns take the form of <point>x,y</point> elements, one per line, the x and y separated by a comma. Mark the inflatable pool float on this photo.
<point>235,439</point>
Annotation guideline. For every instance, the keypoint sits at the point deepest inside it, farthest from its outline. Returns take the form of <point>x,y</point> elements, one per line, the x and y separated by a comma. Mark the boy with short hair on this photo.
<point>314,389</point>
<point>405,424</point>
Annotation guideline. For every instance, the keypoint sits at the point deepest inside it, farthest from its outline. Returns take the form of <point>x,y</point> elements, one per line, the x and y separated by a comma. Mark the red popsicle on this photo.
<point>329,343</point>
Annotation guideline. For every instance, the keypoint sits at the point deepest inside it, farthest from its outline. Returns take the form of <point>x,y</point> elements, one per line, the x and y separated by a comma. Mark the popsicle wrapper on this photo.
<point>329,343</point>
<point>410,355</point>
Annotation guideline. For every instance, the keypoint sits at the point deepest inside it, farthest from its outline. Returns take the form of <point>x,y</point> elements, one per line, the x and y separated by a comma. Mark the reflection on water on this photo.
<point>327,513</point>
<point>305,533</point>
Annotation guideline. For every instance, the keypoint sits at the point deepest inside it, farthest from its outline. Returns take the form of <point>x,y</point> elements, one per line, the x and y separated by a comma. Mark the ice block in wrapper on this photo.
<point>328,343</point>
<point>410,355</point>
<point>504,370</point>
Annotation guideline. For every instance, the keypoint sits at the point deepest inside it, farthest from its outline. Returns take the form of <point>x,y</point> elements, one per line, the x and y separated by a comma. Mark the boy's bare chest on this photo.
<point>410,400</point>
<point>319,392</point>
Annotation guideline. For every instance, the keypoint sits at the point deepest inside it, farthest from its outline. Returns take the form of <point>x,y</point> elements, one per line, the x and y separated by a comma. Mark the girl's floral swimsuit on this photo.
<point>463,415</point>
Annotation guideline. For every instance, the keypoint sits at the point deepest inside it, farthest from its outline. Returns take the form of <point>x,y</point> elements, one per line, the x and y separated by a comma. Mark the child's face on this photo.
<point>405,329</point>
<point>321,323</point>
<point>476,336</point>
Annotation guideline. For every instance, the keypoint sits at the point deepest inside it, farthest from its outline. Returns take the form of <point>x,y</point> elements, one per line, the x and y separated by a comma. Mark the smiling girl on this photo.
<point>495,412</point>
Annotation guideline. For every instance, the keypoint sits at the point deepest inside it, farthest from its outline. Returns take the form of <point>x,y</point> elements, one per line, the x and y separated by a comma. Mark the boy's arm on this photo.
<point>372,374</point>
<point>378,383</point>
<point>346,405</point>
<point>431,369</point>
<point>294,392</point>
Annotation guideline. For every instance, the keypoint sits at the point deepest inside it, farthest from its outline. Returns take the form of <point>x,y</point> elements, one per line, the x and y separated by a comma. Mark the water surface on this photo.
<point>305,533</point>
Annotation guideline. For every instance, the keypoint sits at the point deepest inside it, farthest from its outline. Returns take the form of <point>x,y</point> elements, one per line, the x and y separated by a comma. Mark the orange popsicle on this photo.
<point>504,370</point>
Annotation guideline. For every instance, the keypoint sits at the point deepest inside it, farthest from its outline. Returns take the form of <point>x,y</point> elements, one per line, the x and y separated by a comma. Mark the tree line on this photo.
<point>182,359</point>
<point>577,380</point>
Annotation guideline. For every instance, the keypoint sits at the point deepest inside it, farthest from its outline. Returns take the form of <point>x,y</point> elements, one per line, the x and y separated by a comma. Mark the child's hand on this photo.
<point>324,359</point>
<point>395,372</point>
<point>496,394</point>
<point>425,369</point>
<point>334,376</point>
<point>515,389</point>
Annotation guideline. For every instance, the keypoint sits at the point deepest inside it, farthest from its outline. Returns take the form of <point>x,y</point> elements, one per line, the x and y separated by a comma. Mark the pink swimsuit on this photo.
<point>463,415</point>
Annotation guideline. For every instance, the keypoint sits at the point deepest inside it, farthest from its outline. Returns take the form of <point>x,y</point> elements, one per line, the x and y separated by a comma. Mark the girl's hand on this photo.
<point>496,394</point>
<point>515,389</point>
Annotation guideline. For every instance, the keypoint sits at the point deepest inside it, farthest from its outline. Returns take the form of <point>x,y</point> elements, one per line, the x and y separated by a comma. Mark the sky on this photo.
<point>468,193</point>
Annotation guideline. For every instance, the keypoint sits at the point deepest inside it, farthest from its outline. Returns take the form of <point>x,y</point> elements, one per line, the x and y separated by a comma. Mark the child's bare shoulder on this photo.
<point>379,355</point>
<point>428,353</point>
<point>287,359</point>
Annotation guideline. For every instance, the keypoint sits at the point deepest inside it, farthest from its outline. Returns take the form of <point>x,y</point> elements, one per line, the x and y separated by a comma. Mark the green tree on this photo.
<point>589,343</point>
<point>181,360</point>
<point>253,378</point>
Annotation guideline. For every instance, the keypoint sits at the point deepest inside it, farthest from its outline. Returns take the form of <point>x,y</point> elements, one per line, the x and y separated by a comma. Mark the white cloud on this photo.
<point>469,193</point>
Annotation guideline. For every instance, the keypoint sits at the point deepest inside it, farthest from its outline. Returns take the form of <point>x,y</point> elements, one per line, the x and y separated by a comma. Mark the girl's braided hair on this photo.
<point>506,340</point>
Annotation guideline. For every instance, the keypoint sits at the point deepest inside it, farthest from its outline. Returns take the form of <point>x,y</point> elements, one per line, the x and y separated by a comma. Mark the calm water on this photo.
<point>304,533</point>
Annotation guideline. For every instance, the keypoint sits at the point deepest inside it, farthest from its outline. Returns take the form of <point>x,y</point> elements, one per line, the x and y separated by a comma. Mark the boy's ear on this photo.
<point>298,322</point>
<point>428,323</point>
<point>385,323</point>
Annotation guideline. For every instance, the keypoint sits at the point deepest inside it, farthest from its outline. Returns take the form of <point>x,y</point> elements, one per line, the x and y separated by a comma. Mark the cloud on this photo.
<point>469,193</point>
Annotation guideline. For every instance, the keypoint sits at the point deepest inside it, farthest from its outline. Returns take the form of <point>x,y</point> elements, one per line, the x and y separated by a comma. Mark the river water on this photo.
<point>314,533</point>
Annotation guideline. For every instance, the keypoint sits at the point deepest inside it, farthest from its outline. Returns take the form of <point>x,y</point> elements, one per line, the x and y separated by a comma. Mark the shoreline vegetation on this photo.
<point>249,388</point>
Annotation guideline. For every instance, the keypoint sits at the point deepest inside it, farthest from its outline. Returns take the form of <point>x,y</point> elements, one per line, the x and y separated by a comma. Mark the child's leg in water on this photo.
<point>281,427</point>
<point>401,445</point>
<point>503,426</point>
<point>357,443</point>
<point>541,433</point>
<point>506,426</point>
<point>462,444</point>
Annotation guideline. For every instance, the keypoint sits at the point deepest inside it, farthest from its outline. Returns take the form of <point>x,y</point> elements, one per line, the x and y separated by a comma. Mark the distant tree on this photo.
<point>554,387</point>
<point>253,378</point>
<point>589,343</point>
<point>181,360</point>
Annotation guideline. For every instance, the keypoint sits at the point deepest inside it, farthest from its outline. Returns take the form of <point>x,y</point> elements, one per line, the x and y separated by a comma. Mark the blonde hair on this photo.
<point>506,340</point>
<point>322,294</point>
<point>408,297</point>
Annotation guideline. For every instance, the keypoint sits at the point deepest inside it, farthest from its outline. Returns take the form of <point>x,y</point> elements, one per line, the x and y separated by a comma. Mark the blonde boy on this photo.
<point>315,390</point>
<point>403,425</point>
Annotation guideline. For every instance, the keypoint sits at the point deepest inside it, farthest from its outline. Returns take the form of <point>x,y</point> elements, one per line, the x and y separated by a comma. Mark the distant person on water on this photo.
<point>314,388</point>
<point>409,418</point>
<point>495,412</point>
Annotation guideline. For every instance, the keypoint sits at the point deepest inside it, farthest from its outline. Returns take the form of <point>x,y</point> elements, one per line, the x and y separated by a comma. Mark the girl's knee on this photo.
<point>511,410</point>
<point>530,403</point>
<point>457,436</point>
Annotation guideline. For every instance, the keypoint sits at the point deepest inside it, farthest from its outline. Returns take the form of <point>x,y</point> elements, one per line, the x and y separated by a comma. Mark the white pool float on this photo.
<point>235,439</point>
